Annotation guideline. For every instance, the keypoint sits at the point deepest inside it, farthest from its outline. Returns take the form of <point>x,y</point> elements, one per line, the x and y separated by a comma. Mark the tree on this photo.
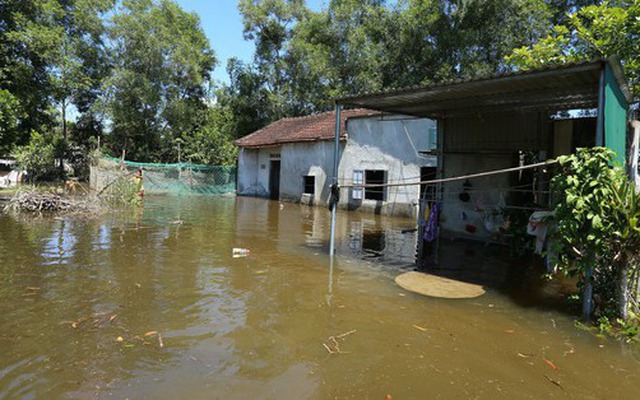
<point>161,67</point>
<point>597,232</point>
<point>307,58</point>
<point>212,143</point>
<point>252,104</point>
<point>37,157</point>
<point>65,36</point>
<point>269,23</point>
<point>10,114</point>
<point>591,32</point>
<point>23,71</point>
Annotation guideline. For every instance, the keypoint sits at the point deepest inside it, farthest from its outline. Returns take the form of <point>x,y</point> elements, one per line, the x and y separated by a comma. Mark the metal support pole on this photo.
<point>334,185</point>
<point>600,133</point>
<point>587,295</point>
<point>329,296</point>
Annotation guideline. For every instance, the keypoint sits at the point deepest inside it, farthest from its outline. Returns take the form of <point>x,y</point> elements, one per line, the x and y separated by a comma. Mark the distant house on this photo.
<point>292,160</point>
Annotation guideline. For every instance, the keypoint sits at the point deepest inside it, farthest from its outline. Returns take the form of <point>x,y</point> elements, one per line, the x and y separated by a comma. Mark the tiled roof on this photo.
<point>311,128</point>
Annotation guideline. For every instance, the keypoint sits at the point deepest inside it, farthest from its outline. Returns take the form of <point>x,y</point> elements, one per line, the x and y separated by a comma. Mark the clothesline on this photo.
<point>456,178</point>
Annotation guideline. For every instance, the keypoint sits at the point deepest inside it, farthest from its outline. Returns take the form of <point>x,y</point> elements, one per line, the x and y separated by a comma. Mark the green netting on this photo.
<point>179,178</point>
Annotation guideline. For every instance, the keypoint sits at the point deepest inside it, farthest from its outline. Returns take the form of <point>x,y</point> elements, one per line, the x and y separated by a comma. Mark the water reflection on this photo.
<point>254,327</point>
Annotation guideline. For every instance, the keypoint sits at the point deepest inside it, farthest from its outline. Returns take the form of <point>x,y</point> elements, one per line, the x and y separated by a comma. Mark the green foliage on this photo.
<point>10,114</point>
<point>37,157</point>
<point>624,330</point>
<point>597,213</point>
<point>611,28</point>
<point>211,143</point>
<point>161,65</point>
<point>305,59</point>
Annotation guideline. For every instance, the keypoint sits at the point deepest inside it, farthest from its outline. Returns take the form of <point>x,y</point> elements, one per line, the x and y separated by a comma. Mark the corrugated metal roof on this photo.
<point>568,86</point>
<point>301,129</point>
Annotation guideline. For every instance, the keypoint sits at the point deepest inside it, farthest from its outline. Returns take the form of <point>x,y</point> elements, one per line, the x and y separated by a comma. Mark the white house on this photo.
<point>292,160</point>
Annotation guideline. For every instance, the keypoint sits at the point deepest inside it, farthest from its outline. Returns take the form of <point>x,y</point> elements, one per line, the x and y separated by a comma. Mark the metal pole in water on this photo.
<point>329,296</point>
<point>587,299</point>
<point>334,196</point>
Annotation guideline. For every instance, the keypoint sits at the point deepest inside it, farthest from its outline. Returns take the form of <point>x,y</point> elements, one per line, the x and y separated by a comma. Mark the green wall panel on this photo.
<point>615,117</point>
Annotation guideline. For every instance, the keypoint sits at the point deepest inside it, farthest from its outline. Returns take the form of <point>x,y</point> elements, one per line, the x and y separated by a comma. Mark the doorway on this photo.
<point>274,180</point>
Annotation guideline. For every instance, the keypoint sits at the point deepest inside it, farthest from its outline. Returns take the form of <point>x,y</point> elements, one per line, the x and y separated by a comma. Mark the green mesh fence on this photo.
<point>179,178</point>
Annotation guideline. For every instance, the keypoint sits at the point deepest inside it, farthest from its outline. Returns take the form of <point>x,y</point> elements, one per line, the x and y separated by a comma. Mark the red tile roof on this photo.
<point>311,128</point>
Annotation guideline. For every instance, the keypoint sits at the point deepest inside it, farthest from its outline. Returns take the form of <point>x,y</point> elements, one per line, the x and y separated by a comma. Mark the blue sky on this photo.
<point>222,24</point>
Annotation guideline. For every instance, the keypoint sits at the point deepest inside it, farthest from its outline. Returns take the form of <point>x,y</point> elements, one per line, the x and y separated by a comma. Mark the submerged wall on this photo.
<point>392,144</point>
<point>253,171</point>
<point>306,159</point>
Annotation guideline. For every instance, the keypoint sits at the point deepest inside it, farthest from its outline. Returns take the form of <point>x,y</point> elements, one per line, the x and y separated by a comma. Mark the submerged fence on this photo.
<point>180,178</point>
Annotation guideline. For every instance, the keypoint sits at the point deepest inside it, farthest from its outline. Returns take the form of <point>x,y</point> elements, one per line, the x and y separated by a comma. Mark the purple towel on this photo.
<point>431,228</point>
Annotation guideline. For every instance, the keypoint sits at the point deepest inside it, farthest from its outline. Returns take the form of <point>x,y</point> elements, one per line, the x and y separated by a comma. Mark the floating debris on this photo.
<point>436,286</point>
<point>332,345</point>
<point>555,382</point>
<point>420,328</point>
<point>238,252</point>
<point>550,364</point>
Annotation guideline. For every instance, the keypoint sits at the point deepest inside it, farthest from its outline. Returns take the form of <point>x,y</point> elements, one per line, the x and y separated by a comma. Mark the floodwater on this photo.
<point>153,306</point>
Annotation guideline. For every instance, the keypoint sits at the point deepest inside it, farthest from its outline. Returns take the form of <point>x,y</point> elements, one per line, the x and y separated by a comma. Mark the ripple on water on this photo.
<point>255,327</point>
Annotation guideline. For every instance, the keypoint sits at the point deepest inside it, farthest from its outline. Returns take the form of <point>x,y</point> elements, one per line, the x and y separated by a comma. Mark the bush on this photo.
<point>37,157</point>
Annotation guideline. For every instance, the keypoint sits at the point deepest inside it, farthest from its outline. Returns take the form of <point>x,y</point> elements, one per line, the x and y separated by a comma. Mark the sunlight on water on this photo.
<point>154,306</point>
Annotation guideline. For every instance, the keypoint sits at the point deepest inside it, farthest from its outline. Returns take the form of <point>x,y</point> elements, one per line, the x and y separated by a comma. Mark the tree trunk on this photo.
<point>64,136</point>
<point>623,289</point>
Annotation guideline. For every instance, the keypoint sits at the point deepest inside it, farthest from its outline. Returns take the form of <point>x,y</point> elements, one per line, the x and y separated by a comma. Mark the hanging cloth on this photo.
<point>431,229</point>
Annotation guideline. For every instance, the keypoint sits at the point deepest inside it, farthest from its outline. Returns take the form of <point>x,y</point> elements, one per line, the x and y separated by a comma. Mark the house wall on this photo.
<point>253,171</point>
<point>391,144</point>
<point>476,144</point>
<point>301,159</point>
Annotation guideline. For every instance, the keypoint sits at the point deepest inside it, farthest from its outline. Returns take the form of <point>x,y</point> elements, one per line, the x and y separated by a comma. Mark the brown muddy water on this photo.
<point>81,302</point>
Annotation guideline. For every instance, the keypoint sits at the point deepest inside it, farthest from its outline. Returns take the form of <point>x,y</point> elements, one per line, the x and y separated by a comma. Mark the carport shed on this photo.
<point>495,122</point>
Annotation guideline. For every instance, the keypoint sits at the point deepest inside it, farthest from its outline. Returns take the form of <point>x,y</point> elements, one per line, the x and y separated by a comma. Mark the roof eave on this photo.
<point>343,138</point>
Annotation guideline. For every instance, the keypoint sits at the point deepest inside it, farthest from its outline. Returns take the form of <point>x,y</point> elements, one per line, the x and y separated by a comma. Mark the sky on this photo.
<point>222,24</point>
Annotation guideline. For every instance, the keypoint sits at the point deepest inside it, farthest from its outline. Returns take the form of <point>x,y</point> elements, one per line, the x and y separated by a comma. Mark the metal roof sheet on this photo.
<point>569,86</point>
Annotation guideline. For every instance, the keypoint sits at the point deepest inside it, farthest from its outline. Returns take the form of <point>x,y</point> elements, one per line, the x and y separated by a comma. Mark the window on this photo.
<point>310,184</point>
<point>358,179</point>
<point>433,138</point>
<point>375,177</point>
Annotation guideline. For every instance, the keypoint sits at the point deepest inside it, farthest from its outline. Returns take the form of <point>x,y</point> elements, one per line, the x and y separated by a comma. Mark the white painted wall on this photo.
<point>391,144</point>
<point>253,171</point>
<point>301,159</point>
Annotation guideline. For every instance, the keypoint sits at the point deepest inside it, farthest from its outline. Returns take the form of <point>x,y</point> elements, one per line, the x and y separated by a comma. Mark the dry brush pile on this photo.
<point>32,201</point>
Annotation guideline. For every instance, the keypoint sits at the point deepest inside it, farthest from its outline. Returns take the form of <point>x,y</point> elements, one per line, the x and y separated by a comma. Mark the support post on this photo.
<point>587,295</point>
<point>333,201</point>
<point>600,140</point>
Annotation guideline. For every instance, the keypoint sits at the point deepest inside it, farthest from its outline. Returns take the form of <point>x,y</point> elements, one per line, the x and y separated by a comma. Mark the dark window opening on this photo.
<point>427,174</point>
<point>375,177</point>
<point>310,184</point>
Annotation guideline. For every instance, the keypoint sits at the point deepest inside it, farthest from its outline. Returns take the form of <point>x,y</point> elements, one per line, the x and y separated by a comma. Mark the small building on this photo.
<point>292,160</point>
<point>9,175</point>
<point>496,123</point>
